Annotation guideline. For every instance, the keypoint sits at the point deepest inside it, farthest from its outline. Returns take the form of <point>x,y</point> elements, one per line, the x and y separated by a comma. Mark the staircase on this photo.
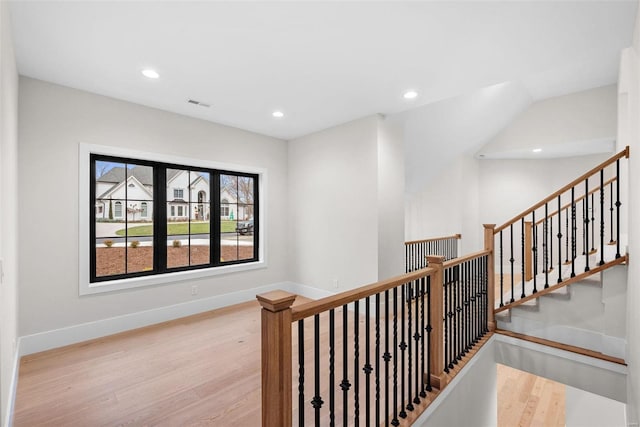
<point>560,272</point>
<point>589,314</point>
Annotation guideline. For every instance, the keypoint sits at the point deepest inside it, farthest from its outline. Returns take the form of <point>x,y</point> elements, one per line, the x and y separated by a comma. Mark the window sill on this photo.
<point>87,288</point>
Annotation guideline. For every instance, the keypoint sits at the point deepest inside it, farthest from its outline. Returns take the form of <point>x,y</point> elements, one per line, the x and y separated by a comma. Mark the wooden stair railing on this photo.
<point>415,251</point>
<point>585,215</point>
<point>374,355</point>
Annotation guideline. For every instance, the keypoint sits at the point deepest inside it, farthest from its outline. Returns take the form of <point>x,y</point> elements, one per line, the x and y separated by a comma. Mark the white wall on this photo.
<point>8,213</point>
<point>333,203</point>
<point>471,399</point>
<point>575,118</point>
<point>345,205</point>
<point>390,199</point>
<point>629,134</point>
<point>449,205</point>
<point>584,409</point>
<point>508,187</point>
<point>53,120</point>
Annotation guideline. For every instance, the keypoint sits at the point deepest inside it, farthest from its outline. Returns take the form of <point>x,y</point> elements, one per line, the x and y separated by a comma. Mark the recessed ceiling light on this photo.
<point>152,74</point>
<point>411,94</point>
<point>278,114</point>
<point>537,150</point>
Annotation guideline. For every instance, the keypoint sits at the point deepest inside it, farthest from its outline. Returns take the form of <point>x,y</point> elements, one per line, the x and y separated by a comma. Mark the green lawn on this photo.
<point>178,228</point>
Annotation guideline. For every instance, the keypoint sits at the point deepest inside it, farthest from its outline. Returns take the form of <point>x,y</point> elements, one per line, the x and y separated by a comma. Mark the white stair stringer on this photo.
<point>591,314</point>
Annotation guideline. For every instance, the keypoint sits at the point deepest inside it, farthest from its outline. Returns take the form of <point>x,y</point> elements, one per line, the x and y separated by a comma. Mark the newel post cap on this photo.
<point>489,226</point>
<point>435,259</point>
<point>276,300</point>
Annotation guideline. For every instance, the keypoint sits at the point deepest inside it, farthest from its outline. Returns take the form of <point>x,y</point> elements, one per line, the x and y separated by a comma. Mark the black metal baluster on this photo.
<point>584,234</point>
<point>478,307</point>
<point>601,216</point>
<point>566,240</point>
<point>423,284</point>
<point>534,249</point>
<point>301,372</point>
<point>317,399</point>
<point>459,313</point>
<point>593,224</point>
<point>377,359</point>
<point>332,339</point>
<point>545,244</point>
<point>386,356</point>
<point>611,212</point>
<point>367,363</point>
<point>472,300</point>
<point>406,258</point>
<point>395,420</point>
<point>559,241</point>
<point>467,307</point>
<point>618,204</point>
<point>550,243</point>
<point>574,232</point>
<point>501,274</point>
<point>511,260</point>
<point>345,385</point>
<point>429,329</point>
<point>416,338</point>
<point>446,321</point>
<point>462,333</point>
<point>452,318</point>
<point>409,361</point>
<point>522,254</point>
<point>403,348</point>
<point>586,223</point>
<point>356,362</point>
<point>485,295</point>
<point>455,331</point>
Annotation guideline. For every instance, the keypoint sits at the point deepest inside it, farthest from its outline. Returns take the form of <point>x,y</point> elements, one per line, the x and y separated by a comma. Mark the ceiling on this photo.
<point>325,63</point>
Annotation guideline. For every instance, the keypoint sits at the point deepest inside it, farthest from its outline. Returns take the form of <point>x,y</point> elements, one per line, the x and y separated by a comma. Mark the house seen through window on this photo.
<point>155,218</point>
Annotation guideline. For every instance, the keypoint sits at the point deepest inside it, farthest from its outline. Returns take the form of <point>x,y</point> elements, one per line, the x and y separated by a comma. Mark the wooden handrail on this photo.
<point>623,153</point>
<point>334,301</point>
<point>434,239</point>
<point>568,205</point>
<point>457,261</point>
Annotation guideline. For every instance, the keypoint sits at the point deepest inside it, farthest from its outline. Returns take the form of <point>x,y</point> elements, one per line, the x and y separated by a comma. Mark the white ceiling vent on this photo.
<point>201,104</point>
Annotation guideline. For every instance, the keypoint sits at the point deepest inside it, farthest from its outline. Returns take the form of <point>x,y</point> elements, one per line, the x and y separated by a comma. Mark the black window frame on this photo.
<point>159,218</point>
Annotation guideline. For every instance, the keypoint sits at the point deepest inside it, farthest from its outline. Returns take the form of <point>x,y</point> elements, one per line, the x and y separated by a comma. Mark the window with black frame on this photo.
<point>155,218</point>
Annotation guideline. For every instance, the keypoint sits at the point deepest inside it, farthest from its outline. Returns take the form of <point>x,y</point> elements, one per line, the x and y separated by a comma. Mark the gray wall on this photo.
<point>8,212</point>
<point>53,120</point>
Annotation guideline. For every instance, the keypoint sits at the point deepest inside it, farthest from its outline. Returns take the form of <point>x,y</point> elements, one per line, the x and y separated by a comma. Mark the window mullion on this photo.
<point>215,218</point>
<point>92,216</point>
<point>160,218</point>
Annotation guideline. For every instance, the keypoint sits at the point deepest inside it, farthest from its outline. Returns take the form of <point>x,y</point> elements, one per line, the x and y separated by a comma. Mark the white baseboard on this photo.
<point>13,387</point>
<point>308,291</point>
<point>48,340</point>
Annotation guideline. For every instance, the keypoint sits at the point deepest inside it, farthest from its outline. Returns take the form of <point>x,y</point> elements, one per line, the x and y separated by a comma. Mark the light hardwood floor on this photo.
<point>527,400</point>
<point>201,370</point>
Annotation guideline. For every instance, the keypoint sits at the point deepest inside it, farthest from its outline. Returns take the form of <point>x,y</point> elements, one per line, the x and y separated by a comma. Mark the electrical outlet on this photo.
<point>194,290</point>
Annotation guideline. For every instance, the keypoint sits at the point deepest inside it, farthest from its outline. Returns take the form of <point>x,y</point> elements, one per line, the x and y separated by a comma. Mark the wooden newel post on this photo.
<point>489,240</point>
<point>528,252</point>
<point>436,349</point>
<point>276,358</point>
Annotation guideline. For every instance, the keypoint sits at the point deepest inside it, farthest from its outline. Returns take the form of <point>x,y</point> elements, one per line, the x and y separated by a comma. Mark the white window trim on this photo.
<point>87,288</point>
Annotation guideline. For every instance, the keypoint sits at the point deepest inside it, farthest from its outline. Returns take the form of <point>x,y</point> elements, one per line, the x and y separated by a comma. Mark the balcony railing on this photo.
<point>415,251</point>
<point>372,355</point>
